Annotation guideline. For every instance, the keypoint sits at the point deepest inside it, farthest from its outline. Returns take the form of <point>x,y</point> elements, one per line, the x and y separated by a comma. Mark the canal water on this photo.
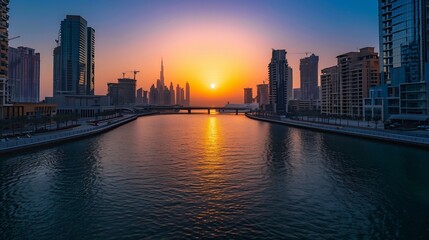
<point>215,176</point>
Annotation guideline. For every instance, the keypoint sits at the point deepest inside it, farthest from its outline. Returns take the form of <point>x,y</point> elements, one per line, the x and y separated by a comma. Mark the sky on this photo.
<point>222,42</point>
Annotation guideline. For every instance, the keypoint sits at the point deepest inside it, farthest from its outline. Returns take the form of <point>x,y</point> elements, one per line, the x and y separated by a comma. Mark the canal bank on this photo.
<point>14,145</point>
<point>351,131</point>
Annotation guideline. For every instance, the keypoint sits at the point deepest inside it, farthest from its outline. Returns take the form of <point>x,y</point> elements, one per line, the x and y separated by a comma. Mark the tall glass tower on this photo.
<point>404,55</point>
<point>278,78</point>
<point>74,64</point>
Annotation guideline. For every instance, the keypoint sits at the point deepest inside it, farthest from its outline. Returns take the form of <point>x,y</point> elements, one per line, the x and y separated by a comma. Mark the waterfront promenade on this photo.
<point>84,130</point>
<point>363,131</point>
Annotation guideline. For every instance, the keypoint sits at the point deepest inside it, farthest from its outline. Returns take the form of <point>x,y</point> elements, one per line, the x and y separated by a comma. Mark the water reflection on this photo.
<point>215,176</point>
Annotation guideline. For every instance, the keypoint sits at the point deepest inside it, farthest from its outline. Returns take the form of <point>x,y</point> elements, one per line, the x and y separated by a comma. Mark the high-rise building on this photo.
<point>126,91</point>
<point>188,95</point>
<point>90,74</point>
<point>182,96</point>
<point>167,97</point>
<point>278,77</point>
<point>357,72</point>
<point>160,89</point>
<point>172,94</point>
<point>153,95</point>
<point>4,35</point>
<point>263,94</point>
<point>74,65</point>
<point>330,91</point>
<point>290,83</point>
<point>145,97</point>
<point>139,97</point>
<point>309,71</point>
<point>248,95</point>
<point>296,93</point>
<point>112,93</point>
<point>178,95</point>
<point>23,74</point>
<point>404,53</point>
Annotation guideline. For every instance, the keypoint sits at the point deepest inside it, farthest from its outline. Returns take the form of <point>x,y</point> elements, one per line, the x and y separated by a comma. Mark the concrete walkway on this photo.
<point>15,144</point>
<point>378,134</point>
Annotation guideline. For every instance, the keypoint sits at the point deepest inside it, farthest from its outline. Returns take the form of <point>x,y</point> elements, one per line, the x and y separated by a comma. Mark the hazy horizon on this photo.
<point>227,43</point>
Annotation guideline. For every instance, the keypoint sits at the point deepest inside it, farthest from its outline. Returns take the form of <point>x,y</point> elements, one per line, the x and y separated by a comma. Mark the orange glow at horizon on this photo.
<point>201,53</point>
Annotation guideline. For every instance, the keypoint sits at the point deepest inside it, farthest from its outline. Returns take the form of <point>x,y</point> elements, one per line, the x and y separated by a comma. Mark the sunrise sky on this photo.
<point>226,43</point>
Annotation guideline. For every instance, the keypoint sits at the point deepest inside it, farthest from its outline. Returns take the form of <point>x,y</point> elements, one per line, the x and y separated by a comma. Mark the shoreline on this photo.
<point>350,131</point>
<point>55,138</point>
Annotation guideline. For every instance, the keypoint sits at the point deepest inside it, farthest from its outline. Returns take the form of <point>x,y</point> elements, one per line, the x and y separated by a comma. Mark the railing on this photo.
<point>354,131</point>
<point>58,136</point>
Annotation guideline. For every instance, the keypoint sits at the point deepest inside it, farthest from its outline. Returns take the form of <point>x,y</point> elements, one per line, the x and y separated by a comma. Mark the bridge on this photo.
<point>177,108</point>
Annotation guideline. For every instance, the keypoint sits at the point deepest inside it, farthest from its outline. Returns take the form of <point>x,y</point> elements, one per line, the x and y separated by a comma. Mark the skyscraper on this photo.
<point>278,76</point>
<point>262,94</point>
<point>178,95</point>
<point>24,74</point>
<point>290,83</point>
<point>330,85</point>
<point>172,94</point>
<point>126,91</point>
<point>160,84</point>
<point>248,95</point>
<point>74,64</point>
<point>308,68</point>
<point>404,54</point>
<point>139,97</point>
<point>188,94</point>
<point>90,75</point>
<point>4,35</point>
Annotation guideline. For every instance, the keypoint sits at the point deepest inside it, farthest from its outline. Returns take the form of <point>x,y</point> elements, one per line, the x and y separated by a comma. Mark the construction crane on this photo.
<point>306,53</point>
<point>14,38</point>
<point>134,71</point>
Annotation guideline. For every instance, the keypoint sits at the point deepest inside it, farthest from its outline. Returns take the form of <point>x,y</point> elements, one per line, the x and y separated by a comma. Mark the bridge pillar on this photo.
<point>189,110</point>
<point>236,111</point>
<point>208,111</point>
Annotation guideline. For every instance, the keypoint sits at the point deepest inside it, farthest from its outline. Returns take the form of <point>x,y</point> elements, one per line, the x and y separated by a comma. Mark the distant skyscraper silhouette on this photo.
<point>153,95</point>
<point>178,95</point>
<point>74,65</point>
<point>172,94</point>
<point>289,83</point>
<point>248,95</point>
<point>278,76</point>
<point>309,72</point>
<point>263,94</point>
<point>188,94</point>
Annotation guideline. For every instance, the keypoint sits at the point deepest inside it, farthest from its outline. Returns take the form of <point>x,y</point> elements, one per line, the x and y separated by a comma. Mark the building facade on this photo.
<point>330,91</point>
<point>309,70</point>
<point>278,81</point>
<point>126,91</point>
<point>23,75</point>
<point>112,93</point>
<point>262,95</point>
<point>357,72</point>
<point>74,64</point>
<point>188,94</point>
<point>290,86</point>
<point>404,53</point>
<point>4,44</point>
<point>248,95</point>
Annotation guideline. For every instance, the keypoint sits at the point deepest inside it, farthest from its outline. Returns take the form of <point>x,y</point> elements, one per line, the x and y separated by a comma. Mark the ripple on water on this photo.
<point>218,176</point>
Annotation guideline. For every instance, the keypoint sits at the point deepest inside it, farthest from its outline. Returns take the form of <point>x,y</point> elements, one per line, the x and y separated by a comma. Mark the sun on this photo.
<point>212,86</point>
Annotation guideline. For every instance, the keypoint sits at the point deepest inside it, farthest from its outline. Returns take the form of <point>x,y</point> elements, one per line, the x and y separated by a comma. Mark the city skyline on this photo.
<point>199,54</point>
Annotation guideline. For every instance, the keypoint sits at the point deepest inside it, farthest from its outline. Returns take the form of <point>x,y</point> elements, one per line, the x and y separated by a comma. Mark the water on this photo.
<point>217,176</point>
